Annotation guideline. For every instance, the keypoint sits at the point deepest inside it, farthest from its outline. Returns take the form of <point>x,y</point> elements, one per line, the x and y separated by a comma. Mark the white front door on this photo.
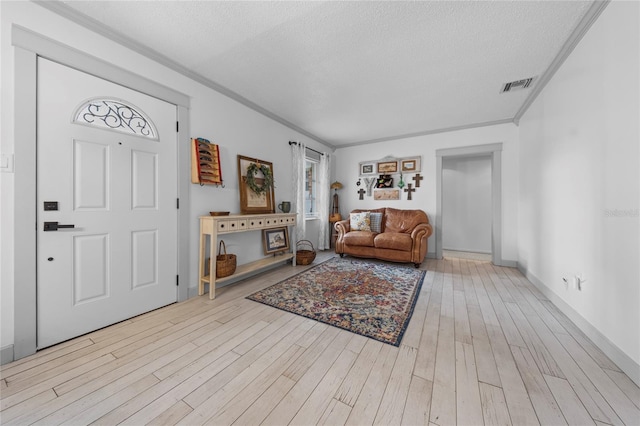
<point>107,165</point>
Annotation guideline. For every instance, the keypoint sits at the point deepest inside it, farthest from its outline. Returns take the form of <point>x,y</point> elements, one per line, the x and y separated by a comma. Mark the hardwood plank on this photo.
<point>485,361</point>
<point>569,403</point>
<point>541,397</point>
<point>226,338</point>
<point>146,406</point>
<point>43,357</point>
<point>468,407</point>
<point>351,386</point>
<point>494,406</point>
<point>366,406</point>
<point>314,407</point>
<point>617,399</point>
<point>311,355</point>
<point>312,335</point>
<point>626,385</point>
<point>462,326</point>
<point>414,329</point>
<point>231,411</point>
<point>284,337</point>
<point>519,405</point>
<point>291,403</point>
<point>509,328</point>
<point>336,414</point>
<point>416,409</point>
<point>263,407</point>
<point>100,407</point>
<point>11,397</point>
<point>545,362</point>
<point>593,351</point>
<point>425,361</point>
<point>57,409</point>
<point>395,394</point>
<point>593,401</point>
<point>26,406</point>
<point>223,391</point>
<point>171,415</point>
<point>443,397</point>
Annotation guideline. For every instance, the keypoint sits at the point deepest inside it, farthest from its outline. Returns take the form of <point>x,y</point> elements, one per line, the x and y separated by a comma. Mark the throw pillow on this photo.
<point>376,222</point>
<point>360,221</point>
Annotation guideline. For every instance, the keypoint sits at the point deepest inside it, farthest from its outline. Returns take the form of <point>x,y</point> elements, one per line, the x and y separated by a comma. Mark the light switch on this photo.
<point>6,163</point>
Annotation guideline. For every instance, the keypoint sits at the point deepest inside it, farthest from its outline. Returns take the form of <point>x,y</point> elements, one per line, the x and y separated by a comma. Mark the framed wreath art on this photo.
<point>256,183</point>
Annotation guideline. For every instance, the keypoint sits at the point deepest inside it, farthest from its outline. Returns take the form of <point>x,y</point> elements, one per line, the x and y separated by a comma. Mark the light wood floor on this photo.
<point>483,347</point>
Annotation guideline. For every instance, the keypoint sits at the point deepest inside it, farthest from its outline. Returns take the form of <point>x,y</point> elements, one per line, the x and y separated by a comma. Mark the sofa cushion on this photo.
<point>393,241</point>
<point>403,220</point>
<point>360,238</point>
<point>360,221</point>
<point>376,222</point>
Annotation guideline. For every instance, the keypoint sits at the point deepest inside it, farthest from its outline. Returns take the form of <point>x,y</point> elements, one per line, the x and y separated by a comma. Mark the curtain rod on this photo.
<point>310,149</point>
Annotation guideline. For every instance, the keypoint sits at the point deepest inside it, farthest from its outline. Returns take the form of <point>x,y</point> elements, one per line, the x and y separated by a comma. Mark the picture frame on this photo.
<point>410,165</point>
<point>250,202</point>
<point>386,167</point>
<point>275,240</point>
<point>386,194</point>
<point>367,168</point>
<point>384,181</point>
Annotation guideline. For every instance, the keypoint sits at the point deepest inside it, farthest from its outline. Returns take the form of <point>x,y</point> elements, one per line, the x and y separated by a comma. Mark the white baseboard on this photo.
<point>621,359</point>
<point>6,355</point>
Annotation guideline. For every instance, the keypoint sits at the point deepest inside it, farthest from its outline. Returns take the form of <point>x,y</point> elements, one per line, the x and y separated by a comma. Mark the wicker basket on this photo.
<point>225,263</point>
<point>303,256</point>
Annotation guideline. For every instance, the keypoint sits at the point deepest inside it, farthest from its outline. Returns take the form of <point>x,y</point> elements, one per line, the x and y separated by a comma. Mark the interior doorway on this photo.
<point>494,152</point>
<point>466,206</point>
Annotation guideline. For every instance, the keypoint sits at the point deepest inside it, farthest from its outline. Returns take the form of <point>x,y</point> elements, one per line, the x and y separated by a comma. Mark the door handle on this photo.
<point>54,226</point>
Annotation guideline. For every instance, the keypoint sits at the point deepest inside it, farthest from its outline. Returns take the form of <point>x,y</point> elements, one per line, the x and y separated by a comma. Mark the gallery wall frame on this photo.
<point>251,202</point>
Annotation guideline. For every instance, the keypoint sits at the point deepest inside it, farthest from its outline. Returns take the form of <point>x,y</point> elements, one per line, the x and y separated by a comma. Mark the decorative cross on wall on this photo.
<point>409,190</point>
<point>417,178</point>
<point>362,191</point>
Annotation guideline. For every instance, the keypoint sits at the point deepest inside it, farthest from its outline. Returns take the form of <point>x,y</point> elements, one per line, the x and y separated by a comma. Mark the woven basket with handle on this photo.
<point>303,255</point>
<point>225,263</point>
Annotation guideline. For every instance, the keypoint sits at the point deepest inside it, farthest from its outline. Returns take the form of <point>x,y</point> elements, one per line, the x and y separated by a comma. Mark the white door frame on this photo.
<point>495,151</point>
<point>28,46</point>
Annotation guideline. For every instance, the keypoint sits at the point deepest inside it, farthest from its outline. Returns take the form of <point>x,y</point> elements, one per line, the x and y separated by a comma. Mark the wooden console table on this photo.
<point>212,226</point>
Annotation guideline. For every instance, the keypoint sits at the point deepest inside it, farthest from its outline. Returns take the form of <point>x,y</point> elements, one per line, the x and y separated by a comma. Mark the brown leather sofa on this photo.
<point>403,238</point>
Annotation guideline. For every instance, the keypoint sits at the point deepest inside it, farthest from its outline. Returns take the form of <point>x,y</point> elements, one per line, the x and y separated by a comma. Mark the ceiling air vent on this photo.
<point>517,85</point>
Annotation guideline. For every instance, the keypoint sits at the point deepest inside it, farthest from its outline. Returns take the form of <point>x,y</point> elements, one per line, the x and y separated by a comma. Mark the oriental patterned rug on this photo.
<point>367,297</point>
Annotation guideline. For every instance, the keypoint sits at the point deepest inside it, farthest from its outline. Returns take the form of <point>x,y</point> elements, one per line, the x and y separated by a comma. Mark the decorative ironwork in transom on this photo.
<point>115,115</point>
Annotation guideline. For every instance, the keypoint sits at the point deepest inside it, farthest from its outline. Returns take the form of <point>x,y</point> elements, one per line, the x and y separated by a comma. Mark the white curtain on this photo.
<point>324,196</point>
<point>298,155</point>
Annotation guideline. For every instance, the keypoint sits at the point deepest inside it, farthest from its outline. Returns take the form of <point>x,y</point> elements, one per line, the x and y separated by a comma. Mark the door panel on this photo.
<point>118,189</point>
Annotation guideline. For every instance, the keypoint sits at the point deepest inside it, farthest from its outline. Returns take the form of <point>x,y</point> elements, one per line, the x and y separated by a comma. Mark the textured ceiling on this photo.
<point>351,72</point>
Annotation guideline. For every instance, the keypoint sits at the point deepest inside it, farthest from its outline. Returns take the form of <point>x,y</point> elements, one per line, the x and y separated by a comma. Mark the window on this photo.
<point>310,192</point>
<point>115,115</point>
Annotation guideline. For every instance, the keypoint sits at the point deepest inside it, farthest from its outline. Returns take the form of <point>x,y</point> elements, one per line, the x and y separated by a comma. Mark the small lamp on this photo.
<point>335,210</point>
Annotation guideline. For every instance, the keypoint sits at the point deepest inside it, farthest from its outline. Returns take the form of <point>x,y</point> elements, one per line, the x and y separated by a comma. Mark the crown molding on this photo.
<point>583,26</point>
<point>98,27</point>
<point>429,132</point>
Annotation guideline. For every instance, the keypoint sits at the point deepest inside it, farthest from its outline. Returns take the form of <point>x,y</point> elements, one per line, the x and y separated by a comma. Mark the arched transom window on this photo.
<point>115,115</point>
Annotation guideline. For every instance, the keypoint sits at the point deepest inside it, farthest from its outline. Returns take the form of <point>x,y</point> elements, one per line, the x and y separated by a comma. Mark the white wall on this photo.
<point>236,128</point>
<point>579,181</point>
<point>466,204</point>
<point>424,198</point>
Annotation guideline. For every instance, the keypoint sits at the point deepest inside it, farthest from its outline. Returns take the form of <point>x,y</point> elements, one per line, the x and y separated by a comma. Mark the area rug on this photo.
<point>371,298</point>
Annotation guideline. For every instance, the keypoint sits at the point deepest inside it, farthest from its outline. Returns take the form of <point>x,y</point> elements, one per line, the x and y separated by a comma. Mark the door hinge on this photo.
<point>177,203</point>
<point>177,280</point>
<point>177,126</point>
